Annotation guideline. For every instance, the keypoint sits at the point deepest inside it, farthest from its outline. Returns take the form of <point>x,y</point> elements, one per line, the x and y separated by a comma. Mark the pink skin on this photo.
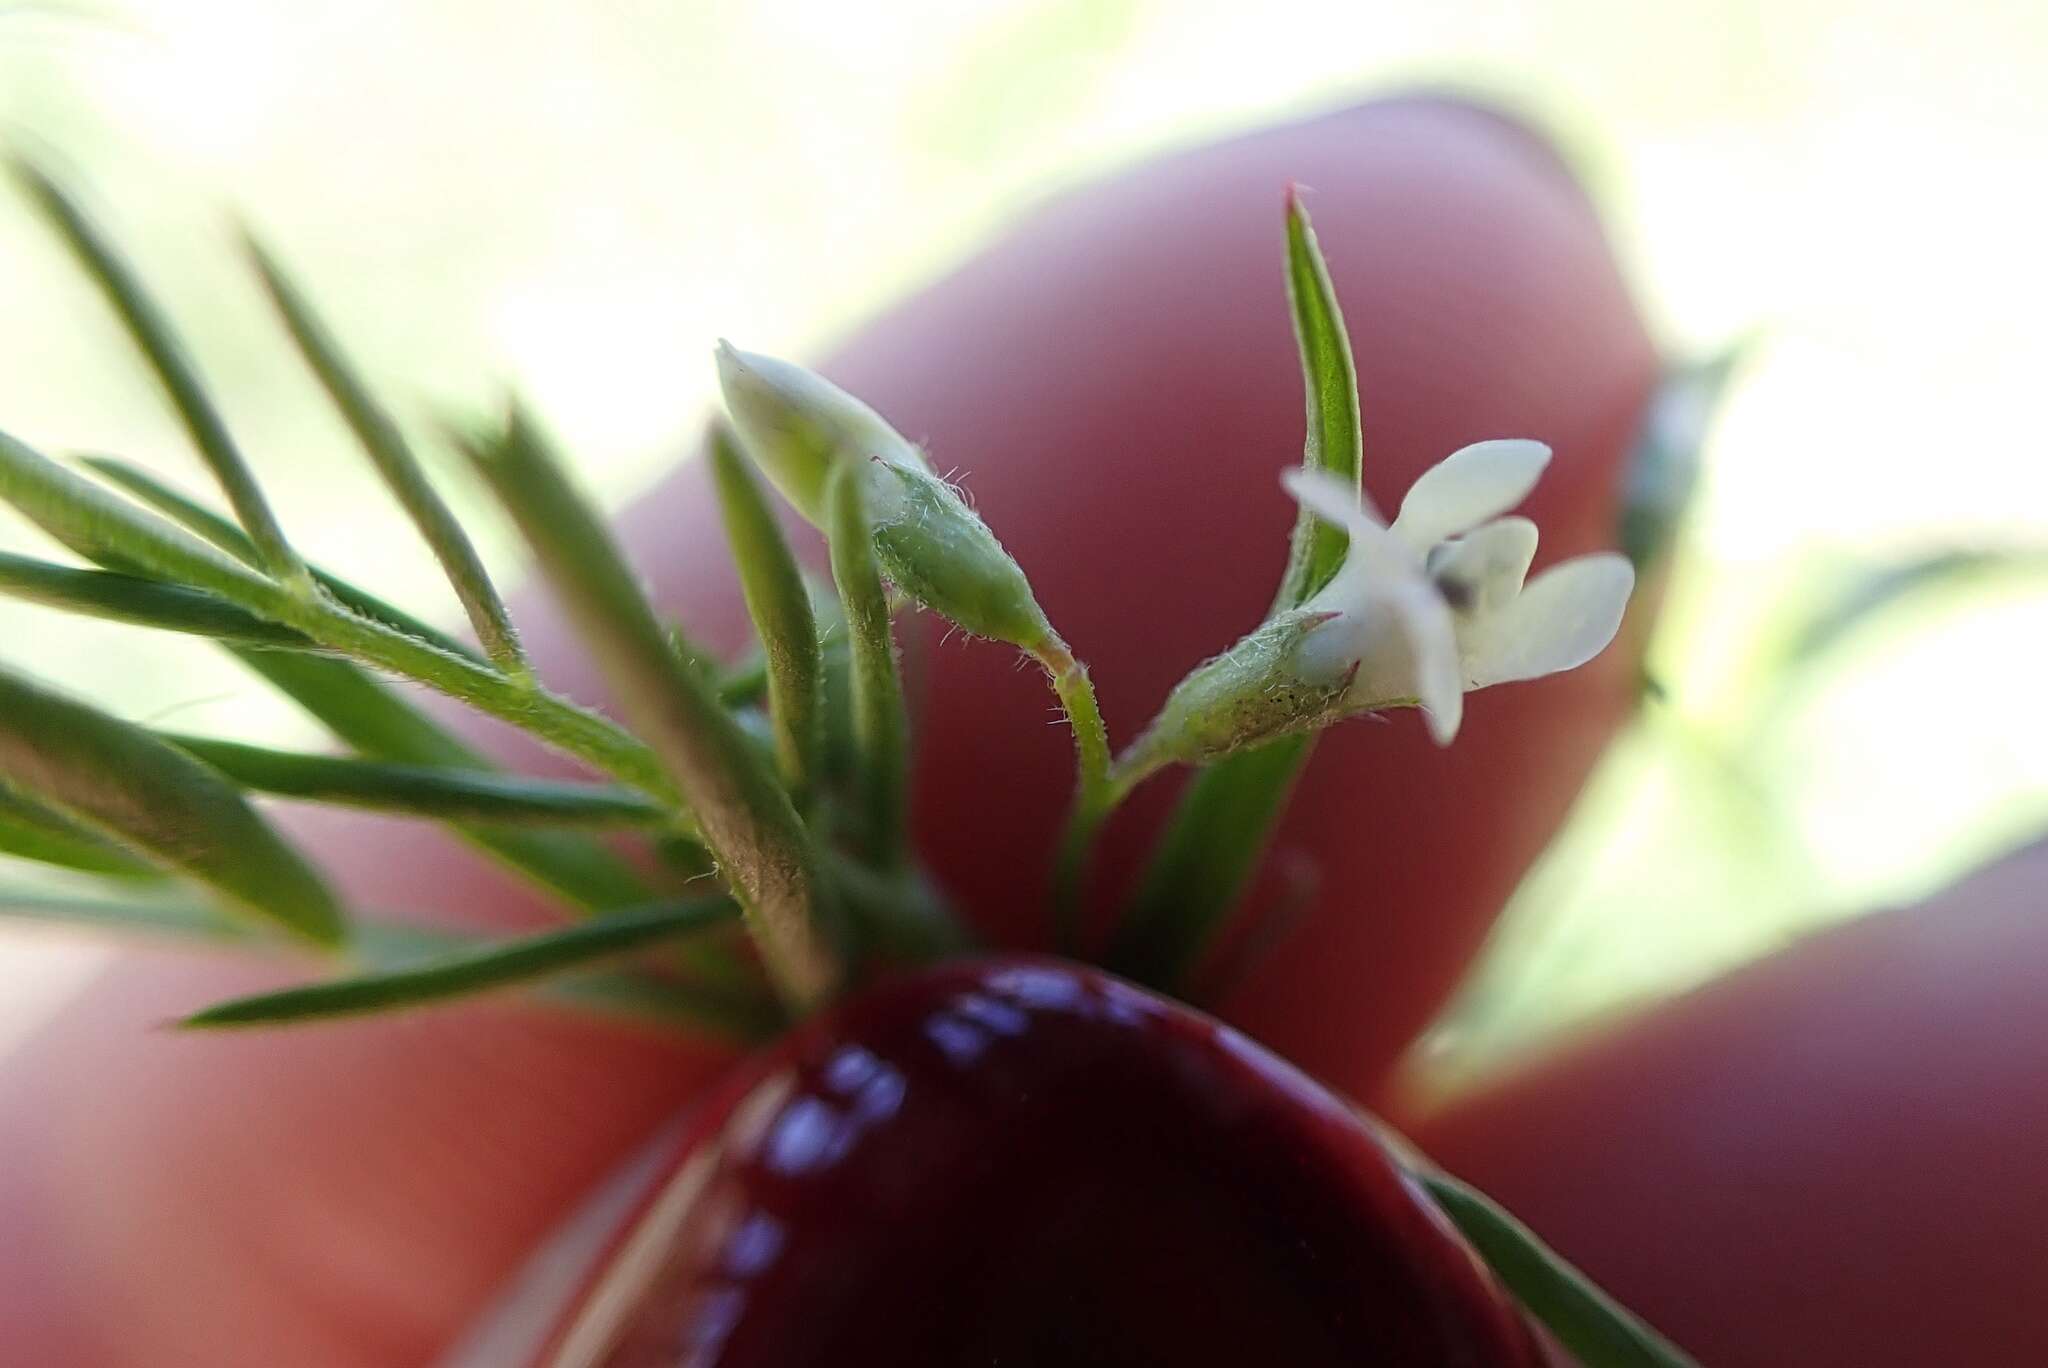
<point>1117,379</point>
<point>1836,1157</point>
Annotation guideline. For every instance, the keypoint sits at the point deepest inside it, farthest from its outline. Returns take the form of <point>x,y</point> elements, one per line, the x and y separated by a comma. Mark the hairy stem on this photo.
<point>1097,790</point>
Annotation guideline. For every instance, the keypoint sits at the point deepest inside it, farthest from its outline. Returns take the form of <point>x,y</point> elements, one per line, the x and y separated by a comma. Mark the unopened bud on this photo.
<point>797,426</point>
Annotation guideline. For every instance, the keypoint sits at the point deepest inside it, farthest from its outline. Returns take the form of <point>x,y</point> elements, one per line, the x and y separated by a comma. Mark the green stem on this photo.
<point>102,526</point>
<point>762,847</point>
<point>142,602</point>
<point>1076,693</point>
<point>1098,790</point>
<point>209,526</point>
<point>551,718</point>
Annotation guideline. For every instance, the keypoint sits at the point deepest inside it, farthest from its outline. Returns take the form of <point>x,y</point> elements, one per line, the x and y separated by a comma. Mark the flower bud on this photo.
<point>796,425</point>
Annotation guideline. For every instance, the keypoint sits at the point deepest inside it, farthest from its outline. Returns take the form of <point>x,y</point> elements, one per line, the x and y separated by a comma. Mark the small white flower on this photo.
<point>1435,604</point>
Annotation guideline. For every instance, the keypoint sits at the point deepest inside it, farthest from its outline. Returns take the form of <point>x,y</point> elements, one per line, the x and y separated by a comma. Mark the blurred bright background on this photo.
<point>576,197</point>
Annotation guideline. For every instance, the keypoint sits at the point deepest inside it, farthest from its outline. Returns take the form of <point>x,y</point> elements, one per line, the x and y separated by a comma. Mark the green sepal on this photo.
<point>938,551</point>
<point>1251,694</point>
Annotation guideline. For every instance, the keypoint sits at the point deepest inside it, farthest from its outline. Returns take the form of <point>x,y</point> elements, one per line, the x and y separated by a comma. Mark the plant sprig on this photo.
<point>771,796</point>
<point>782,780</point>
<point>687,767</point>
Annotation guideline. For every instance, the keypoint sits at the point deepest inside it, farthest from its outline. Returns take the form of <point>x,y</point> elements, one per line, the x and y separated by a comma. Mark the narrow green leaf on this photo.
<point>371,718</point>
<point>395,463</point>
<point>624,993</point>
<point>466,973</point>
<point>1213,844</point>
<point>366,713</point>
<point>170,912</point>
<point>114,532</point>
<point>154,799</point>
<point>841,754</point>
<point>1334,442</point>
<point>649,1001</point>
<point>143,602</point>
<point>881,726</point>
<point>580,868</point>
<point>745,815</point>
<point>171,363</point>
<point>204,523</point>
<point>901,916</point>
<point>780,604</point>
<point>30,831</point>
<point>448,795</point>
<point>1600,1331</point>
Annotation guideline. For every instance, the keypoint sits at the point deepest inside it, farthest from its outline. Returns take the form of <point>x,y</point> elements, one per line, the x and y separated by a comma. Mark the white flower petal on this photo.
<point>1322,494</point>
<point>1467,487</point>
<point>1433,642</point>
<point>1562,619</point>
<point>1373,549</point>
<point>1484,569</point>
